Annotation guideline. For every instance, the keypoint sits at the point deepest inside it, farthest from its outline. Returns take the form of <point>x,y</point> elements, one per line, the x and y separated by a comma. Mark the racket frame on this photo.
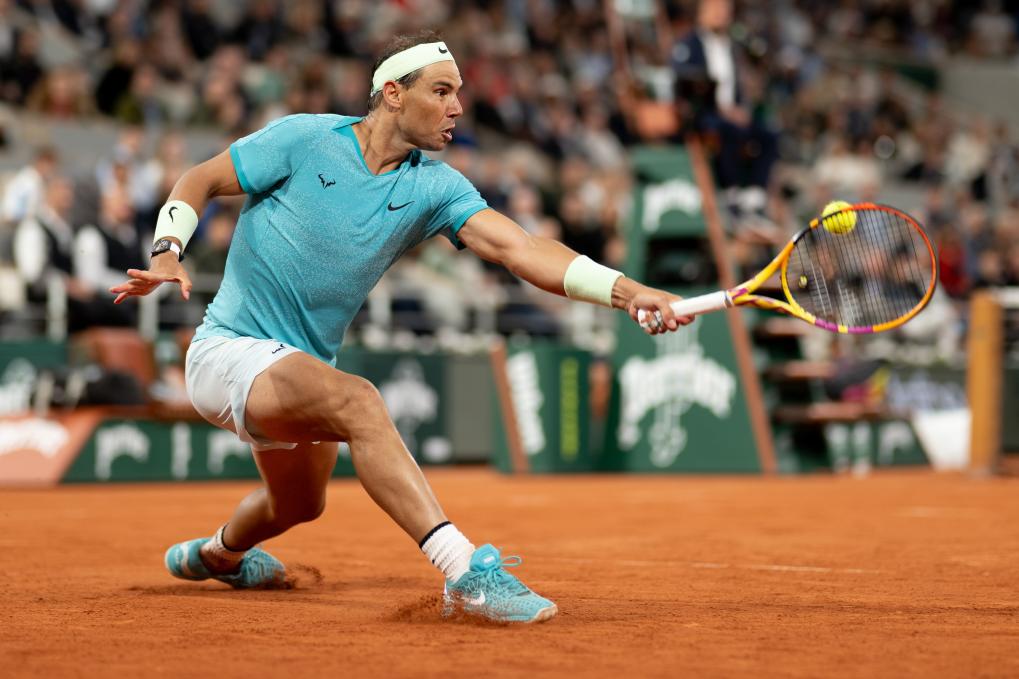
<point>742,294</point>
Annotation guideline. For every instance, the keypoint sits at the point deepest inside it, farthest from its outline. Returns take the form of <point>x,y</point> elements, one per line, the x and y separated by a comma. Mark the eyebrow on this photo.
<point>445,83</point>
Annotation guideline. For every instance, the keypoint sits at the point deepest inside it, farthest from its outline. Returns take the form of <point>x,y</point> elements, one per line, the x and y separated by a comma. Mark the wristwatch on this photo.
<point>164,244</point>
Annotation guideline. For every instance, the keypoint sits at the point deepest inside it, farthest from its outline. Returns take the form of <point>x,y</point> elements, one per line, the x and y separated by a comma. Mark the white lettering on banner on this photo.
<point>669,385</point>
<point>16,387</point>
<point>852,445</point>
<point>675,194</point>
<point>921,391</point>
<point>114,442</point>
<point>180,437</point>
<point>221,445</point>
<point>411,401</point>
<point>525,390</point>
<point>43,436</point>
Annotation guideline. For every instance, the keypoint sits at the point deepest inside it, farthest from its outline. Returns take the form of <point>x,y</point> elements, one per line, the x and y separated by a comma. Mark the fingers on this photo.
<point>651,322</point>
<point>185,286</point>
<point>144,282</point>
<point>153,276</point>
<point>668,316</point>
<point>656,316</point>
<point>131,289</point>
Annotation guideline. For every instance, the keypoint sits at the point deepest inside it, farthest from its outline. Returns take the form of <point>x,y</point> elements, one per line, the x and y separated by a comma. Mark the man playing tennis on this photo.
<point>333,201</point>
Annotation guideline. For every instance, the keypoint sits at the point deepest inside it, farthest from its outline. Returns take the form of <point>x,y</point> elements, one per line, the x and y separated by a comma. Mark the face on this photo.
<point>429,108</point>
<point>715,15</point>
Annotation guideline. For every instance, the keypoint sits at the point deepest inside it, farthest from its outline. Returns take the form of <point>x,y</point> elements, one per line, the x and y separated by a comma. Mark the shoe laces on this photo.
<point>498,575</point>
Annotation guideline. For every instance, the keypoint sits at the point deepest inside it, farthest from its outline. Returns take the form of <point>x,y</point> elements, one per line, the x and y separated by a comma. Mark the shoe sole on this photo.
<point>545,614</point>
<point>452,607</point>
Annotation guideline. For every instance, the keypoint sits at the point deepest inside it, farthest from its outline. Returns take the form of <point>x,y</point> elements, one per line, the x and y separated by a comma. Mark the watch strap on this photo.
<point>165,244</point>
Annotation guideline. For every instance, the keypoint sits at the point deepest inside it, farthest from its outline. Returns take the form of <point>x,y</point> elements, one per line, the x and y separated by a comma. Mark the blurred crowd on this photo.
<point>791,120</point>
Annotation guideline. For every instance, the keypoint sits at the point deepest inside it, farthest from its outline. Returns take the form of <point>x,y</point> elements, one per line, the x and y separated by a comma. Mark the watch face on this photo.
<point>161,246</point>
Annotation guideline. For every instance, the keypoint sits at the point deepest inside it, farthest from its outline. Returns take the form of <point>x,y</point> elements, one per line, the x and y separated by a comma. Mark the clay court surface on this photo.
<point>900,574</point>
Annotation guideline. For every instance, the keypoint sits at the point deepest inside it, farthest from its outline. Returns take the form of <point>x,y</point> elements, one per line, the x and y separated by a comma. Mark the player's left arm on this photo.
<point>545,263</point>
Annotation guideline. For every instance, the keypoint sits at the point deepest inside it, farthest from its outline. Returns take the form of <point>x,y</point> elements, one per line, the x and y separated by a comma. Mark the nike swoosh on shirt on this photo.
<point>393,208</point>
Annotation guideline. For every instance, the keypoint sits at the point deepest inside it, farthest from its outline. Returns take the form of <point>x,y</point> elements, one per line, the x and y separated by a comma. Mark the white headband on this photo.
<point>408,61</point>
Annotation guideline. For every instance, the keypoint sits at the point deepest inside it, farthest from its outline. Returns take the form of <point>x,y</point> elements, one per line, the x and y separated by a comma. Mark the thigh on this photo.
<point>300,399</point>
<point>300,473</point>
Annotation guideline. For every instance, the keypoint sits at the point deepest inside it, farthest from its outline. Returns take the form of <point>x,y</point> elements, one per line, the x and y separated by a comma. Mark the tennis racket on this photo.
<point>866,268</point>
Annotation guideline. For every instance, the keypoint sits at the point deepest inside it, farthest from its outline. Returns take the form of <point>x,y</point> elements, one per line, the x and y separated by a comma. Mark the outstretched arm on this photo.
<point>196,187</point>
<point>544,262</point>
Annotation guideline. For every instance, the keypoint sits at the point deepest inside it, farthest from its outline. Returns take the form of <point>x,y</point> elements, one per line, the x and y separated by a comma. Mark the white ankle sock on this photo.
<point>216,554</point>
<point>449,550</point>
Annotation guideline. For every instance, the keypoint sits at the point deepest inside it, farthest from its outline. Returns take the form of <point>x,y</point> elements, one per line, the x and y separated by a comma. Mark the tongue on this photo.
<point>485,558</point>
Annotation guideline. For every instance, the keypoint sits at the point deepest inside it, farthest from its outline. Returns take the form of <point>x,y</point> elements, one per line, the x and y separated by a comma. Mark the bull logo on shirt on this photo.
<point>326,183</point>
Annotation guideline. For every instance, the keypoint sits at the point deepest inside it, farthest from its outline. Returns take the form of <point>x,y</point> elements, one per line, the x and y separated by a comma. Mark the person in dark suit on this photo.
<point>707,67</point>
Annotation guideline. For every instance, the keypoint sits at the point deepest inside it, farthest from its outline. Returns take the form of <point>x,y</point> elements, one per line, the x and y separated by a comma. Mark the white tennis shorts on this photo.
<point>219,372</point>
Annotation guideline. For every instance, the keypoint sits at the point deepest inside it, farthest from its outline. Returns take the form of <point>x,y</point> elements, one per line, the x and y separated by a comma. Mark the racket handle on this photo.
<point>692,306</point>
<point>702,304</point>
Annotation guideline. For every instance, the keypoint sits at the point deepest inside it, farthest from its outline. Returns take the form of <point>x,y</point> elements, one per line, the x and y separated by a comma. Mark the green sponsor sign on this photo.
<point>548,389</point>
<point>20,364</point>
<point>677,403</point>
<point>148,450</point>
<point>859,445</point>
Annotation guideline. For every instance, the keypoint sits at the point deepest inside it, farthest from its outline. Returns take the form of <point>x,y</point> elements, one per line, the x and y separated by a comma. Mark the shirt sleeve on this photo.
<point>459,203</point>
<point>30,250</point>
<point>267,157</point>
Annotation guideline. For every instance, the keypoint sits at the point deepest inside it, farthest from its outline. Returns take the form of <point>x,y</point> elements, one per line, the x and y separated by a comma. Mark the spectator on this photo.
<point>25,190</point>
<point>62,93</point>
<point>992,31</point>
<point>745,149</point>
<point>200,29</point>
<point>44,253</point>
<point>115,82</point>
<point>260,28</point>
<point>43,243</point>
<point>20,70</point>
<point>104,251</point>
<point>141,104</point>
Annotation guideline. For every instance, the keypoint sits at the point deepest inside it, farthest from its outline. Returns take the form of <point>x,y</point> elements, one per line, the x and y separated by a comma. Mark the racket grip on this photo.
<point>692,306</point>
<point>702,304</point>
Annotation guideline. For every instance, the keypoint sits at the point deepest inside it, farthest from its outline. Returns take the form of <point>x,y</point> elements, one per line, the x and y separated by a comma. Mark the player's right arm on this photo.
<point>196,187</point>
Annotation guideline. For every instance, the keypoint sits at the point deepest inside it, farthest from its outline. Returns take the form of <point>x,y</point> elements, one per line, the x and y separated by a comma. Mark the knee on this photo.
<point>357,407</point>
<point>293,511</point>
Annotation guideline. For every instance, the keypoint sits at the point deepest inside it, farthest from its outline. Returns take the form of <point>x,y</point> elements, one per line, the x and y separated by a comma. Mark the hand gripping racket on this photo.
<point>866,268</point>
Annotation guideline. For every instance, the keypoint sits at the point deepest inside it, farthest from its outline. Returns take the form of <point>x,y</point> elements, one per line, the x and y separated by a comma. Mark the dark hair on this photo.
<point>395,46</point>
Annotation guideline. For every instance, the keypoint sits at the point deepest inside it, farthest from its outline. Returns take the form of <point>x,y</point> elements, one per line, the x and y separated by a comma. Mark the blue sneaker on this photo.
<point>258,568</point>
<point>489,591</point>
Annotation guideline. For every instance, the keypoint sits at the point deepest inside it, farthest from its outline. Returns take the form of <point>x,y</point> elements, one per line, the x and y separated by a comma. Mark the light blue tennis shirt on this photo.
<point>318,230</point>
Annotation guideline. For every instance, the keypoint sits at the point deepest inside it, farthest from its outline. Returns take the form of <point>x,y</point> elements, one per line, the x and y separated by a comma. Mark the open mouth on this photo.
<point>447,135</point>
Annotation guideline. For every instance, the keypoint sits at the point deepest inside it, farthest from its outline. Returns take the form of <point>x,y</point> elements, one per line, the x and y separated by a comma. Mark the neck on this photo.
<point>381,144</point>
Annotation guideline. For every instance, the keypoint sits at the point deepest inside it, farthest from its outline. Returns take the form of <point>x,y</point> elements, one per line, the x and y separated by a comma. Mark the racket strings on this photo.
<point>871,274</point>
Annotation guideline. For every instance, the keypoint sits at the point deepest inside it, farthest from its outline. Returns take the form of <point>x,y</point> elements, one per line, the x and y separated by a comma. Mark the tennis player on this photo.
<point>332,202</point>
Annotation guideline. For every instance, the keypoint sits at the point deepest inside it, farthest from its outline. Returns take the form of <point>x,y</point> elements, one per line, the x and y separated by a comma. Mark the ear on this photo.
<point>392,96</point>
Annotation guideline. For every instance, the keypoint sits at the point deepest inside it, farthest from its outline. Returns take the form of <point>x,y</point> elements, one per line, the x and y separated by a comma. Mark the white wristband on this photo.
<point>176,219</point>
<point>588,281</point>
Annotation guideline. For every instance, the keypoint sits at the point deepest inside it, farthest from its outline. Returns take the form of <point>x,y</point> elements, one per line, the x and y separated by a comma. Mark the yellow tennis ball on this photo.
<point>840,223</point>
